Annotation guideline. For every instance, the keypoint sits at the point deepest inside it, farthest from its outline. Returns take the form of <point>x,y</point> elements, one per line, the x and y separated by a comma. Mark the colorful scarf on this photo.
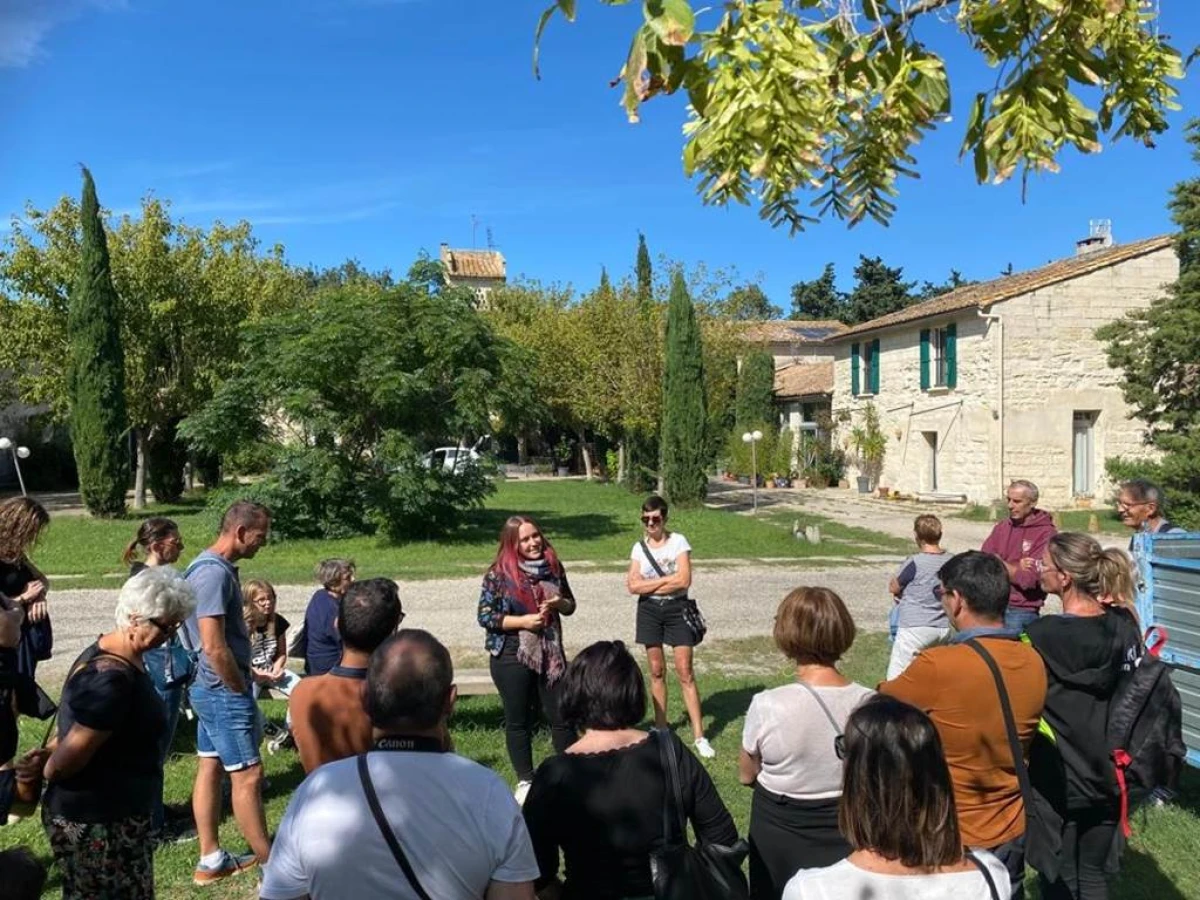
<point>542,651</point>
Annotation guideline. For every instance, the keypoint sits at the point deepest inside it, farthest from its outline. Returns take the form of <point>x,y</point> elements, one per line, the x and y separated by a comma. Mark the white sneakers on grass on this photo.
<point>704,748</point>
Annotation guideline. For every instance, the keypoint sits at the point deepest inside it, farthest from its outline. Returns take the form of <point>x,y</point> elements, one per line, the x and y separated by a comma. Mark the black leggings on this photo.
<point>522,691</point>
<point>1086,841</point>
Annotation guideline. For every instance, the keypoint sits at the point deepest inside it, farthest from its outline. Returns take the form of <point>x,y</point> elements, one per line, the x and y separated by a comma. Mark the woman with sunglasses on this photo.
<point>660,573</point>
<point>105,774</point>
<point>525,594</point>
<point>792,744</point>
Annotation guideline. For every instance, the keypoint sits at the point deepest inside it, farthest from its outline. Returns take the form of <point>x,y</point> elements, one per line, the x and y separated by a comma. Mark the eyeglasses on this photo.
<point>651,520</point>
<point>167,628</point>
<point>1042,568</point>
<point>1121,504</point>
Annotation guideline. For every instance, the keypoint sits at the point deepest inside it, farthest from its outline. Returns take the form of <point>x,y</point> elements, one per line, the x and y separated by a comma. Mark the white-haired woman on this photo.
<point>105,774</point>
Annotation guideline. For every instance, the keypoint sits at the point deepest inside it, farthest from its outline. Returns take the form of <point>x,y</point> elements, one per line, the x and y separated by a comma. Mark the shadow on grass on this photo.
<point>470,714</point>
<point>485,524</point>
<point>1189,791</point>
<point>728,706</point>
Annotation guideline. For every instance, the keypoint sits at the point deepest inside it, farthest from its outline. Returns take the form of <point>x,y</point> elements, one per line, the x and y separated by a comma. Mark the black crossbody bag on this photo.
<point>692,617</point>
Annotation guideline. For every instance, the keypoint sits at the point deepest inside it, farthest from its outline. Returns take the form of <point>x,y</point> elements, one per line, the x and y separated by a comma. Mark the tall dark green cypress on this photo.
<point>756,390</point>
<point>684,412</point>
<point>645,274</point>
<point>96,370</point>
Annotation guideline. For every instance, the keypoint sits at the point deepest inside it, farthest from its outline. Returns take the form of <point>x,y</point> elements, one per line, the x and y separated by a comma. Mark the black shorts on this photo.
<point>661,622</point>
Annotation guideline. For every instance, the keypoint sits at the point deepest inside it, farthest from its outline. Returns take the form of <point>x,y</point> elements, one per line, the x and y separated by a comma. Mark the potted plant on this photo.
<point>564,451</point>
<point>870,447</point>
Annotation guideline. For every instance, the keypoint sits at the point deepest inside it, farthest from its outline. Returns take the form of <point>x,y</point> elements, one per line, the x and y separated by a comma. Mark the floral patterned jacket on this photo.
<point>496,602</point>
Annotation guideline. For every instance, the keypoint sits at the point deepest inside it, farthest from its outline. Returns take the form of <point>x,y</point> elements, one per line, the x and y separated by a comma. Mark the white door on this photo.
<point>1083,454</point>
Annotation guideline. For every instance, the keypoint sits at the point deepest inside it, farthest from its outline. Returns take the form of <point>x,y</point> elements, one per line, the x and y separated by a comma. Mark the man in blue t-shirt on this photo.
<point>227,729</point>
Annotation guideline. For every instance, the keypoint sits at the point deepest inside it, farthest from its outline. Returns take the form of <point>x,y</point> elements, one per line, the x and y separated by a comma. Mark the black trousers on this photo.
<point>522,693</point>
<point>1012,854</point>
<point>788,835</point>
<point>1087,839</point>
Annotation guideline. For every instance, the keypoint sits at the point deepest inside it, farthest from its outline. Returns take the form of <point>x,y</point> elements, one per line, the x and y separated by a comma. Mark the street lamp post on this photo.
<point>752,438</point>
<point>18,454</point>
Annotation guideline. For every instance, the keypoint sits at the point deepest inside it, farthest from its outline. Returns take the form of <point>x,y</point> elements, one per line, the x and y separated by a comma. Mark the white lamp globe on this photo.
<point>5,444</point>
<point>23,452</point>
<point>757,435</point>
<point>746,438</point>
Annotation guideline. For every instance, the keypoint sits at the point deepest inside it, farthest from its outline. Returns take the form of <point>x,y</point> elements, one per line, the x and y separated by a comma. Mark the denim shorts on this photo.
<point>227,726</point>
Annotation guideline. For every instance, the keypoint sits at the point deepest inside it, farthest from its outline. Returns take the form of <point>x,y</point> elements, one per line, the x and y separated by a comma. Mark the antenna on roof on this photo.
<point>490,242</point>
<point>474,227</point>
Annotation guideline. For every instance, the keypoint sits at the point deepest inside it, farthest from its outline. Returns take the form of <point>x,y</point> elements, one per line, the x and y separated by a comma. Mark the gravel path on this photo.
<point>737,602</point>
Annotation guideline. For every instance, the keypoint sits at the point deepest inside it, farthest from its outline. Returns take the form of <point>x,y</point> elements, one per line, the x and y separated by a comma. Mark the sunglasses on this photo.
<point>651,520</point>
<point>167,628</point>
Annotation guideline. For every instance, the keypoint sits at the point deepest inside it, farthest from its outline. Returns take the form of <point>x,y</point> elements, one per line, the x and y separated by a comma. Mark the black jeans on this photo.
<point>1012,855</point>
<point>522,692</point>
<point>1087,839</point>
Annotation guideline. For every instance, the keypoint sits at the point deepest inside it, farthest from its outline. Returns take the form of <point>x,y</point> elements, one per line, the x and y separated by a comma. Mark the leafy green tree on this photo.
<point>96,370</point>
<point>878,290</point>
<point>1158,351</point>
<point>1070,74</point>
<point>756,390</point>
<point>819,298</point>
<point>684,445</point>
<point>356,387</point>
<point>748,303</point>
<point>645,273</point>
<point>953,282</point>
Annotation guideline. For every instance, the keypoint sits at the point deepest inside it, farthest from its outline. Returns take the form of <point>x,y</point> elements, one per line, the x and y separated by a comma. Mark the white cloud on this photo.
<point>24,25</point>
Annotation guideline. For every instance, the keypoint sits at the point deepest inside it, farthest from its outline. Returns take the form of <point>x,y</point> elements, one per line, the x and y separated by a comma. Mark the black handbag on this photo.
<point>692,617</point>
<point>1043,825</point>
<point>682,872</point>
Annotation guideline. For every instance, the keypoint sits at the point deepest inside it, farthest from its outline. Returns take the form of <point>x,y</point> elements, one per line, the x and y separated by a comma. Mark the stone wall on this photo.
<point>1054,366</point>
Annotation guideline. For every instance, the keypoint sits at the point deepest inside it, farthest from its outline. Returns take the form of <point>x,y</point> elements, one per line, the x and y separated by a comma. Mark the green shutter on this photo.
<point>854,358</point>
<point>924,359</point>
<point>951,351</point>
<point>875,366</point>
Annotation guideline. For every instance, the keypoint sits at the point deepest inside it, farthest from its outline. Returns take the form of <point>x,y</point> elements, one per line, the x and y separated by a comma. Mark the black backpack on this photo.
<point>1145,729</point>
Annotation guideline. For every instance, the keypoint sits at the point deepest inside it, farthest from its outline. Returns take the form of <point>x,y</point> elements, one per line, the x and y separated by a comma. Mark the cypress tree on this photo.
<point>96,370</point>
<point>756,390</point>
<point>645,274</point>
<point>684,414</point>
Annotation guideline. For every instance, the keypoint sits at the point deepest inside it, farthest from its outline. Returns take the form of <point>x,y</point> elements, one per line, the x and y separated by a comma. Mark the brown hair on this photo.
<point>21,522</point>
<point>332,571</point>
<point>897,798</point>
<point>151,531</point>
<point>928,529</point>
<point>812,624</point>
<point>251,591</point>
<point>1096,572</point>
<point>245,514</point>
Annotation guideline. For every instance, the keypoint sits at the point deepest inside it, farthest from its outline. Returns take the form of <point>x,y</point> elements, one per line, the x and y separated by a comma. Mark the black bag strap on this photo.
<point>1010,725</point>
<point>673,790</point>
<point>652,560</point>
<point>987,876</point>
<point>364,775</point>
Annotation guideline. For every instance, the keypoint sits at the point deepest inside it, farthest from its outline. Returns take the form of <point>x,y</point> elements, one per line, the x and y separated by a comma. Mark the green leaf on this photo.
<point>567,7</point>
<point>672,20</point>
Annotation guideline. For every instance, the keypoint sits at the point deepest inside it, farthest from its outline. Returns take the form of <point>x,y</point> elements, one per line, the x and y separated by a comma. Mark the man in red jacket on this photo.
<point>1019,541</point>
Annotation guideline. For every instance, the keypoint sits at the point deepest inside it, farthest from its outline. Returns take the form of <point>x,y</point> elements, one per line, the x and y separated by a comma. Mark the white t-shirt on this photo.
<point>846,881</point>
<point>786,728</point>
<point>456,821</point>
<point>667,557</point>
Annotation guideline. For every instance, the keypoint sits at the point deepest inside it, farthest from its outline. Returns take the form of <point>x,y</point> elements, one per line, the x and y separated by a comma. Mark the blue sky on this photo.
<point>376,128</point>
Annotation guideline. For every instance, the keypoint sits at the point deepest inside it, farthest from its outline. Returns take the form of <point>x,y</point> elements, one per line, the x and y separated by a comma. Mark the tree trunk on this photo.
<point>586,451</point>
<point>139,478</point>
<point>523,449</point>
<point>621,461</point>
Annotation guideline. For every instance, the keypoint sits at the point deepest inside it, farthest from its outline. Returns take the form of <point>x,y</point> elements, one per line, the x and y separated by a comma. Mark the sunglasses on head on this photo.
<point>651,520</point>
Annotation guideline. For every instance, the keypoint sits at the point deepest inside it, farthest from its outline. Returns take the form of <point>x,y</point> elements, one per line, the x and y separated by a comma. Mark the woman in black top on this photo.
<point>601,802</point>
<point>1087,650</point>
<point>105,774</point>
<point>22,521</point>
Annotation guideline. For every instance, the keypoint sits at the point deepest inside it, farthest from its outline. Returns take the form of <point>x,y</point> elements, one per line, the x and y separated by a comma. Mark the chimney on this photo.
<point>1099,237</point>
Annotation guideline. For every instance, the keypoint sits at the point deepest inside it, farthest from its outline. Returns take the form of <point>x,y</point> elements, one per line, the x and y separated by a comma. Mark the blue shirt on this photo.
<point>218,593</point>
<point>982,631</point>
<point>324,643</point>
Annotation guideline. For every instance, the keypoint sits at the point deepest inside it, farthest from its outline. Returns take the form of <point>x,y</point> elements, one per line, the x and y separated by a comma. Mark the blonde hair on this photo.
<point>251,591</point>
<point>1097,572</point>
<point>21,522</point>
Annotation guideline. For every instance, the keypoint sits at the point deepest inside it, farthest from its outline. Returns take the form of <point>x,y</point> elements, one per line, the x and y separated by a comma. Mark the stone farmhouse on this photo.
<point>1000,380</point>
<point>481,270</point>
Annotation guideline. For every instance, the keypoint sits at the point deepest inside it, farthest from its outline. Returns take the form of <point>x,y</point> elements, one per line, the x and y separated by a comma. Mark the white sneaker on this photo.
<point>522,791</point>
<point>704,748</point>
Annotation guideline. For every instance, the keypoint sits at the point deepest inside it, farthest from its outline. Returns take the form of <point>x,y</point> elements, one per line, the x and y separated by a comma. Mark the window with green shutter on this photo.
<point>854,363</point>
<point>951,356</point>
<point>873,367</point>
<point>924,359</point>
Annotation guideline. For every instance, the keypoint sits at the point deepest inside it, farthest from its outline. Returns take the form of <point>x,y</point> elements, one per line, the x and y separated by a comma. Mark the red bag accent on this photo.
<point>1155,639</point>
<point>1122,760</point>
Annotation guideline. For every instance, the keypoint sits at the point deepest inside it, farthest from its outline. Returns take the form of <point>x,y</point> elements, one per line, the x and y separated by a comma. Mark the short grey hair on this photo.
<point>1145,491</point>
<point>158,592</point>
<point>331,571</point>
<point>1027,486</point>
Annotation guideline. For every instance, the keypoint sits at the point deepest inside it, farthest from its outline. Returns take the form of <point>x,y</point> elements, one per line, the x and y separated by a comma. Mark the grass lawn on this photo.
<point>1069,519</point>
<point>1162,863</point>
<point>585,521</point>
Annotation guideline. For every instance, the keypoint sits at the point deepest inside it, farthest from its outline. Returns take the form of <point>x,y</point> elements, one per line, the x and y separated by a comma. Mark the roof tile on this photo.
<point>473,263</point>
<point>804,380</point>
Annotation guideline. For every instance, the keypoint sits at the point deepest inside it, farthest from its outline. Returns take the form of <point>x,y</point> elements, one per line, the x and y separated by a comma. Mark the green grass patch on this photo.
<point>1162,863</point>
<point>1070,519</point>
<point>585,521</point>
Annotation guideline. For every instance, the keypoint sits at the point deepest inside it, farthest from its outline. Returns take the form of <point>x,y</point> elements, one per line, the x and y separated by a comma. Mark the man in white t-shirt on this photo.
<point>454,821</point>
